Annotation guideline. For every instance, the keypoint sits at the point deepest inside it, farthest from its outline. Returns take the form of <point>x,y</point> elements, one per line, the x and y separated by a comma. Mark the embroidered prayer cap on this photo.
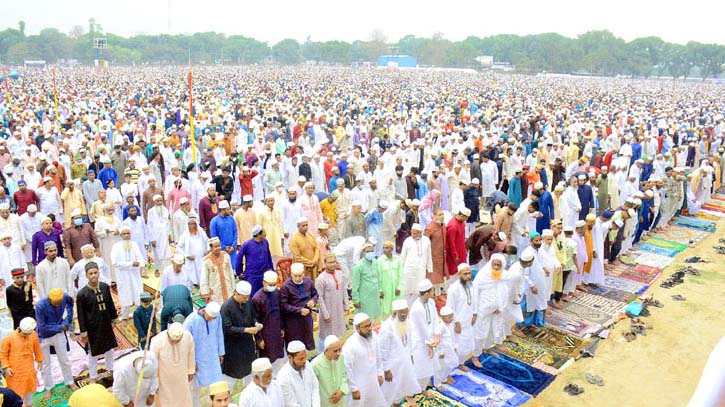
<point>55,295</point>
<point>257,229</point>
<point>145,297</point>
<point>4,205</point>
<point>582,177</point>
<point>178,259</point>
<point>547,232</point>
<point>475,181</point>
<point>19,271</point>
<point>301,220</point>
<point>157,196</point>
<point>399,305</point>
<point>383,204</point>
<point>224,204</point>
<point>86,247</point>
<point>568,229</point>
<point>243,288</point>
<point>183,200</point>
<point>463,266</point>
<point>539,185</point>
<point>295,346</point>
<point>32,208</point>
<point>580,224</point>
<point>214,240</point>
<point>446,310</point>
<point>75,212</point>
<point>90,266</point>
<point>417,226</point>
<point>261,365</point>
<point>465,212</point>
<point>219,387</point>
<point>49,244</point>
<point>247,198</point>
<point>424,285</point>
<point>212,309</point>
<point>528,254</point>
<point>27,325</point>
<point>323,226</point>
<point>331,340</point>
<point>356,202</point>
<point>297,268</point>
<point>360,318</point>
<point>271,276</point>
<point>175,331</point>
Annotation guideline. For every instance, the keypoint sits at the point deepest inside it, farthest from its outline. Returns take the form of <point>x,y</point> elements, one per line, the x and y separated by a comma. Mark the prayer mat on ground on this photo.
<point>555,340</point>
<point>611,307</point>
<point>526,378</point>
<point>546,368</point>
<point>198,302</point>
<point>476,389</point>
<point>657,249</point>
<point>121,339</point>
<point>624,284</point>
<point>59,397</point>
<point>530,352</point>
<point>682,235</point>
<point>128,332</point>
<point>571,324</point>
<point>587,313</point>
<point>612,294</point>
<point>718,197</point>
<point>636,257</point>
<point>105,378</point>
<point>694,223</point>
<point>714,206</point>
<point>708,216</point>
<point>667,244</point>
<point>711,213</point>
<point>639,273</point>
<point>433,399</point>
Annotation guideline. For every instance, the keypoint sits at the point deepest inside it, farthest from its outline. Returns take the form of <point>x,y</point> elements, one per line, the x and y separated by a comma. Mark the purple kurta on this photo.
<point>268,313</point>
<point>293,298</point>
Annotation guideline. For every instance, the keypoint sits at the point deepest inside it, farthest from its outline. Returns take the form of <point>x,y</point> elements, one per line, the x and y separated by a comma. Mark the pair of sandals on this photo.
<point>720,249</point>
<point>575,390</point>
<point>678,297</point>
<point>690,270</point>
<point>695,259</point>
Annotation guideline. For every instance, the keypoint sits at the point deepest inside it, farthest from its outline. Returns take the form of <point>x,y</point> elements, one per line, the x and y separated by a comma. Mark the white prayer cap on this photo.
<point>256,230</point>
<point>176,331</point>
<point>476,156</point>
<point>631,212</point>
<point>340,181</point>
<point>5,234</point>
<point>383,204</point>
<point>157,196</point>
<point>146,368</point>
<point>604,167</point>
<point>356,202</point>
<point>295,346</point>
<point>243,288</point>
<point>400,305</point>
<point>323,226</point>
<point>417,226</point>
<point>223,204</point>
<point>528,254</point>
<point>75,212</point>
<point>637,201</point>
<point>27,325</point>
<point>261,365</point>
<point>297,268</point>
<point>301,178</point>
<point>87,246</point>
<point>580,224</point>
<point>502,235</point>
<point>247,198</point>
<point>212,309</point>
<point>32,208</point>
<point>359,318</point>
<point>538,185</point>
<point>465,212</point>
<point>333,339</point>
<point>183,200</point>
<point>446,310</point>
<point>424,285</point>
<point>178,258</point>
<point>475,181</point>
<point>124,228</point>
<point>463,266</point>
<point>568,229</point>
<point>278,184</point>
<point>582,177</point>
<point>301,220</point>
<point>205,174</point>
<point>547,232</point>
<point>4,205</point>
<point>270,277</point>
<point>559,187</point>
<point>649,193</point>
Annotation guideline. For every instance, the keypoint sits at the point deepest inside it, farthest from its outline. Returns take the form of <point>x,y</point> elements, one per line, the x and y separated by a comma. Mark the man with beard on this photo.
<point>395,354</point>
<point>268,311</point>
<point>364,370</point>
<point>461,299</point>
<point>425,333</point>
<point>139,234</point>
<point>264,391</point>
<point>208,207</point>
<point>53,272</point>
<point>298,381</point>
<point>224,228</point>
<point>329,367</point>
<point>246,219</point>
<point>549,262</point>
<point>534,303</point>
<point>290,214</point>
<point>602,185</point>
<point>492,298</point>
<point>159,227</point>
<point>254,259</point>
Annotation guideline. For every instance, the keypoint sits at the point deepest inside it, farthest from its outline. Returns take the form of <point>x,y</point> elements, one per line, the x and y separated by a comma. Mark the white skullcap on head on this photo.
<point>582,177</point>
<point>27,325</point>
<point>176,331</point>
<point>331,340</point>
<point>446,310</point>
<point>270,277</point>
<point>528,254</point>
<point>4,205</point>
<point>212,309</point>
<point>124,228</point>
<point>256,230</point>
<point>619,223</point>
<point>243,288</point>
<point>147,368</point>
<point>417,226</point>
<point>649,193</point>
<point>580,224</point>
<point>359,318</point>
<point>32,208</point>
<point>157,196</point>
<point>538,185</point>
<point>356,202</point>
<point>637,201</point>
<point>475,181</point>
<point>224,204</point>
<point>301,178</point>
<point>261,365</point>
<point>297,268</point>
<point>631,212</point>
<point>183,200</point>
<point>75,212</point>
<point>383,204</point>
<point>465,212</point>
<point>301,220</point>
<point>424,285</point>
<point>295,346</point>
<point>415,202</point>
<point>400,305</point>
<point>568,229</point>
<point>502,235</point>
<point>547,232</point>
<point>247,198</point>
<point>463,266</point>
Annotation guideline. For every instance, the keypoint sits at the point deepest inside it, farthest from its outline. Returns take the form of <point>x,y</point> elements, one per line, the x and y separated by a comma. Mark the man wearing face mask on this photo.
<point>268,309</point>
<point>366,291</point>
<point>78,235</point>
<point>298,296</point>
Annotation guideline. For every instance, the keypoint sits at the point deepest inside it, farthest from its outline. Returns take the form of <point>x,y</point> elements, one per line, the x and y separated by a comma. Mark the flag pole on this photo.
<point>191,118</point>
<point>55,96</point>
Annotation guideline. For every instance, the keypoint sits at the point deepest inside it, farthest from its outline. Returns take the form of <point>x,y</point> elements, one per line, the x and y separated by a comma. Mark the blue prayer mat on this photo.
<point>476,389</point>
<point>694,223</point>
<point>657,249</point>
<point>526,378</point>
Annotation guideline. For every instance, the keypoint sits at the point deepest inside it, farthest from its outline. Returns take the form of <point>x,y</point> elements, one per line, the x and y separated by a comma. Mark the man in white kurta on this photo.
<point>11,257</point>
<point>78,271</point>
<point>297,379</point>
<point>599,229</point>
<point>139,232</point>
<point>363,364</point>
<point>31,223</point>
<point>417,261</point>
<point>159,227</point>
<point>290,214</point>
<point>127,260</point>
<point>461,299</point>
<point>425,333</point>
<point>570,204</point>
<point>53,272</point>
<point>180,218</point>
<point>126,373</point>
<point>492,298</point>
<point>534,283</point>
<point>193,244</point>
<point>108,231</point>
<point>394,346</point>
<point>263,392</point>
<point>549,262</point>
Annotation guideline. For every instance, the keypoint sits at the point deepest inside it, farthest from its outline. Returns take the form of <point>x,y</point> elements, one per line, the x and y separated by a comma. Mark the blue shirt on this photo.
<point>50,319</point>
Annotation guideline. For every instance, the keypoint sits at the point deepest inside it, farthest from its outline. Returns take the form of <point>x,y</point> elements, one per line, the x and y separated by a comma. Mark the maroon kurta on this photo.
<point>455,245</point>
<point>293,298</point>
<point>269,311</point>
<point>437,235</point>
<point>207,212</point>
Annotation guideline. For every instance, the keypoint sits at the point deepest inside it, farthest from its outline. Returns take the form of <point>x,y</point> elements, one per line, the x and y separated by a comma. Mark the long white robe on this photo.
<point>491,296</point>
<point>417,261</point>
<point>30,225</point>
<point>125,379</point>
<point>446,352</point>
<point>159,228</point>
<point>254,396</point>
<point>423,319</point>
<point>514,277</point>
<point>107,231</point>
<point>363,365</point>
<point>549,263</point>
<point>50,275</point>
<point>575,278</point>
<point>300,389</point>
<point>570,206</point>
<point>180,223</point>
<point>461,301</point>
<point>534,277</point>
<point>10,257</point>
<point>596,273</point>
<point>139,234</point>
<point>128,277</point>
<point>395,356</point>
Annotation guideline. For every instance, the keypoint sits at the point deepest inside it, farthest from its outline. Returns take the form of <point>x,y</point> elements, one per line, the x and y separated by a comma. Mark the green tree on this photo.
<point>21,28</point>
<point>287,52</point>
<point>677,61</point>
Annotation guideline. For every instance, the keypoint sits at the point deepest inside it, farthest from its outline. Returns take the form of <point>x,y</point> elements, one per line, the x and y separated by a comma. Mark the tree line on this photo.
<point>594,52</point>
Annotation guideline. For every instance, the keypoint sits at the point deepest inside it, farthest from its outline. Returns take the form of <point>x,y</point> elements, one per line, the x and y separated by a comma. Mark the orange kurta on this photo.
<point>589,243</point>
<point>20,352</point>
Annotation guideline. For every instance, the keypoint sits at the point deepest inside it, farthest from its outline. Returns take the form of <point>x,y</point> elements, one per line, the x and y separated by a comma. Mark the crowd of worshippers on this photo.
<point>496,211</point>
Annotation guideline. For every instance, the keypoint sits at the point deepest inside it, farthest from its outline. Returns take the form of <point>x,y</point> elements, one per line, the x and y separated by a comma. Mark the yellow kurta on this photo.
<point>71,200</point>
<point>20,352</point>
<point>246,220</point>
<point>589,242</point>
<point>329,211</point>
<point>305,250</point>
<point>272,224</point>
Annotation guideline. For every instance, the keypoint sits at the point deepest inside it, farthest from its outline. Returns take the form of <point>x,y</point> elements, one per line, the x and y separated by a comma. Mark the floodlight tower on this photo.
<point>100,44</point>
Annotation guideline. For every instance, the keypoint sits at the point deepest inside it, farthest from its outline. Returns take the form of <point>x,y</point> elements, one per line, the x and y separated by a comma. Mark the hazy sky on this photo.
<point>271,21</point>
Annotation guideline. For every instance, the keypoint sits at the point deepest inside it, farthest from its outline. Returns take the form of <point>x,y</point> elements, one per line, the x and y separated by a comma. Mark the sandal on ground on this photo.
<point>629,336</point>
<point>678,297</point>
<point>595,379</point>
<point>656,303</point>
<point>573,389</point>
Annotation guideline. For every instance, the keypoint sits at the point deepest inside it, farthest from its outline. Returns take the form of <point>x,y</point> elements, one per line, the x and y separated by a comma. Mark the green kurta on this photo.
<point>602,194</point>
<point>389,271</point>
<point>332,377</point>
<point>366,288</point>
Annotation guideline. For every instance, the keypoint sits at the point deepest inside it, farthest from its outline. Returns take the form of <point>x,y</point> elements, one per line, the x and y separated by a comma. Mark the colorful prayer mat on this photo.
<point>59,397</point>
<point>708,216</point>
<point>713,206</point>
<point>682,235</point>
<point>694,223</point>
<point>127,332</point>
<point>546,368</point>
<point>667,244</point>
<point>105,378</point>
<point>718,197</point>
<point>587,313</point>
<point>639,273</point>
<point>636,257</point>
<point>657,249</point>
<point>624,284</point>
<point>611,307</point>
<point>558,341</point>
<point>571,324</point>
<point>121,340</point>
<point>526,378</point>
<point>198,302</point>
<point>476,389</point>
<point>530,352</point>
<point>433,399</point>
<point>612,294</point>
